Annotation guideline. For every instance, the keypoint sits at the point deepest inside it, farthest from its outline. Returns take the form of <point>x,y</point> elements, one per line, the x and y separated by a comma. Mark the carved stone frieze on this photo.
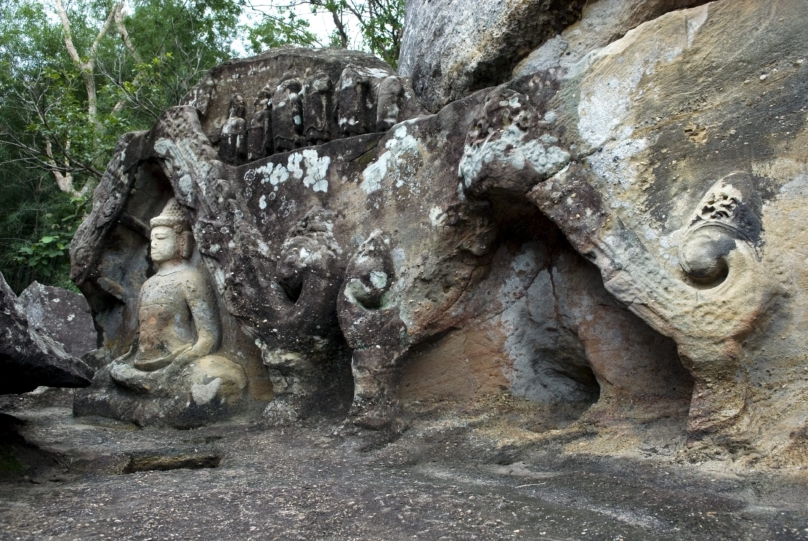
<point>320,97</point>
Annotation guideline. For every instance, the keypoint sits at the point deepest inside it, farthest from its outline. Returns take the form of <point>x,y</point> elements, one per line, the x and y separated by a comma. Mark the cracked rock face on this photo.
<point>452,48</point>
<point>61,314</point>
<point>30,358</point>
<point>619,235</point>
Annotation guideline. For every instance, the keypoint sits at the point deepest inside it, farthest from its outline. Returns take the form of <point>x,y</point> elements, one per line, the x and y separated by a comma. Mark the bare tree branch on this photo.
<point>125,35</point>
<point>86,68</point>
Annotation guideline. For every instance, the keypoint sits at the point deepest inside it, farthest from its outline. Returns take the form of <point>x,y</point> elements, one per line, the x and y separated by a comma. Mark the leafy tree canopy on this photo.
<point>77,74</point>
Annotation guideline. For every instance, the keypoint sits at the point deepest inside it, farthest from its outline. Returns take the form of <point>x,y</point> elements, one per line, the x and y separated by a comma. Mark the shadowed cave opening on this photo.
<point>562,364</point>
<point>566,344</point>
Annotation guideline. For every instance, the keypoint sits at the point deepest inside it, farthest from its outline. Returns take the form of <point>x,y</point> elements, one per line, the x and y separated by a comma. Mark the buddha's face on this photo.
<point>164,244</point>
<point>260,103</point>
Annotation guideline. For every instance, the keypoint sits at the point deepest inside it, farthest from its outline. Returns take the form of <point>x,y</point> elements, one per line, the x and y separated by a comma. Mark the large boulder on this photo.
<point>63,315</point>
<point>451,48</point>
<point>30,359</point>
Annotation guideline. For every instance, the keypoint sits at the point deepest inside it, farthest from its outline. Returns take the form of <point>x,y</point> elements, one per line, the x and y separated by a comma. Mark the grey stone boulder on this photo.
<point>61,314</point>
<point>29,359</point>
<point>451,48</point>
<point>601,23</point>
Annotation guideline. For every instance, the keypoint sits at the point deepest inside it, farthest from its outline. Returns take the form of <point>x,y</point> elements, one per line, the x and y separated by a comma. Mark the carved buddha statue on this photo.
<point>233,144</point>
<point>179,328</point>
<point>259,129</point>
<point>287,116</point>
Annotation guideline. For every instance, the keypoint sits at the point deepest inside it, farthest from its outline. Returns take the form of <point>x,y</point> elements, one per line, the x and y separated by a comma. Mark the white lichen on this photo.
<point>316,170</point>
<point>437,217</point>
<point>378,279</point>
<point>509,146</point>
<point>401,148</point>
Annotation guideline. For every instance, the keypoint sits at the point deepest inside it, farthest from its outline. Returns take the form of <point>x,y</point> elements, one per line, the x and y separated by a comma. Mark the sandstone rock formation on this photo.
<point>61,314</point>
<point>621,234</point>
<point>677,188</point>
<point>353,252</point>
<point>601,23</point>
<point>451,48</point>
<point>29,359</point>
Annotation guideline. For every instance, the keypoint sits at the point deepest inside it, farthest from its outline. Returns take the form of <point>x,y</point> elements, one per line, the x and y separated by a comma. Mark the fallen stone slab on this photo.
<point>29,359</point>
<point>63,315</point>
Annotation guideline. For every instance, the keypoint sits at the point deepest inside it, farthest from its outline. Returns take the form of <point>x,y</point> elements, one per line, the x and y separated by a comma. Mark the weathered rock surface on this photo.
<point>261,257</point>
<point>451,48</point>
<point>684,177</point>
<point>619,238</point>
<point>290,97</point>
<point>353,252</point>
<point>63,315</point>
<point>601,23</point>
<point>29,359</point>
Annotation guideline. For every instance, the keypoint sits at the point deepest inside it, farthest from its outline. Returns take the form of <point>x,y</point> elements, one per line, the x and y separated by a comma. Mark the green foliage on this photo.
<point>55,139</point>
<point>378,25</point>
<point>285,28</point>
<point>43,256</point>
<point>47,128</point>
<point>36,233</point>
<point>47,258</point>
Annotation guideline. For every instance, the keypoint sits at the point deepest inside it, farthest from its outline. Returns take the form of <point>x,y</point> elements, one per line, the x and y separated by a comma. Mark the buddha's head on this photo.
<point>262,101</point>
<point>171,237</point>
<point>237,109</point>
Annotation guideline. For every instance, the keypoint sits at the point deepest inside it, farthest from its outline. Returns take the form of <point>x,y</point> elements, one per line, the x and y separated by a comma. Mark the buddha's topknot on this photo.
<point>172,216</point>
